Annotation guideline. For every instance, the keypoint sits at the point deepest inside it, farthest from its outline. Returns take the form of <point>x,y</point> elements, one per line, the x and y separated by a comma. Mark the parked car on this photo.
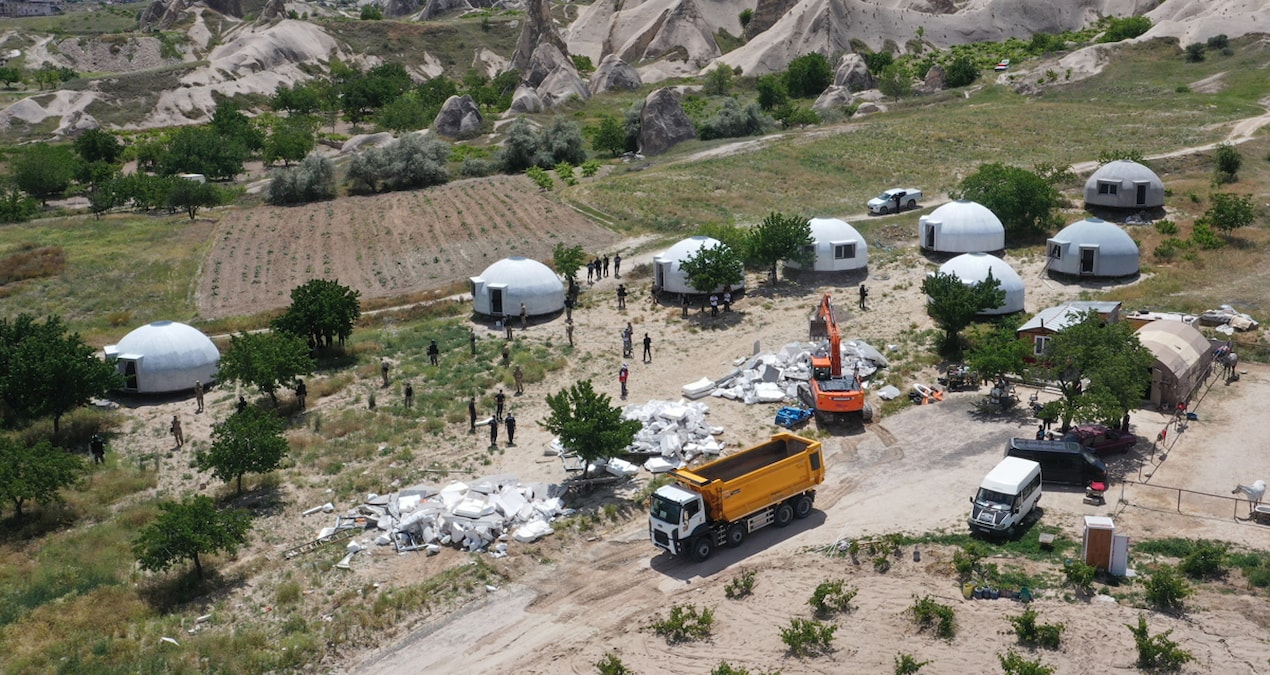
<point>1101,439</point>
<point>895,200</point>
<point>1003,64</point>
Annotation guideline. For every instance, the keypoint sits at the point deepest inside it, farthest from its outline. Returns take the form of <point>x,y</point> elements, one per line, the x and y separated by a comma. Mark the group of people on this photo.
<point>507,421</point>
<point>628,345</point>
<point>599,268</point>
<point>713,301</point>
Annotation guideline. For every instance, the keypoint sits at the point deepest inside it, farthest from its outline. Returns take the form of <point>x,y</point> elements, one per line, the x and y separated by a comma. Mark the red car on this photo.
<point>1100,439</point>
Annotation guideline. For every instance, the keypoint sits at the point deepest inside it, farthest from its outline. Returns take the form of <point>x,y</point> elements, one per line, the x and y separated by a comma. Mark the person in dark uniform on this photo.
<point>471,339</point>
<point>433,352</point>
<point>471,414</point>
<point>510,421</point>
<point>500,400</point>
<point>864,296</point>
<point>410,395</point>
<point>493,432</point>
<point>648,349</point>
<point>621,296</point>
<point>301,393</point>
<point>617,265</point>
<point>98,448</point>
<point>242,404</point>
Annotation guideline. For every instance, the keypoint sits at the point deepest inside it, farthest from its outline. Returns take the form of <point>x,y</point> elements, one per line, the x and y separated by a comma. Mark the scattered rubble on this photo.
<point>1227,320</point>
<point>775,377</point>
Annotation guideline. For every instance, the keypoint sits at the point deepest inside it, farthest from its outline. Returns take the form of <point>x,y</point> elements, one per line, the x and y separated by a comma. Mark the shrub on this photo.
<point>1108,156</point>
<point>878,62</point>
<point>1125,28</point>
<point>1165,589</point>
<point>732,121</point>
<point>1230,211</point>
<point>565,171</point>
<point>475,167</point>
<point>927,613</point>
<point>1032,634</point>
<point>1227,160</point>
<point>1079,575</point>
<point>1219,41</point>
<point>808,637</point>
<point>371,13</point>
<point>590,168</point>
<point>725,668</point>
<point>1157,652</point>
<point>582,63</point>
<point>745,17</point>
<point>718,81</point>
<point>540,177</point>
<point>1167,249</point>
<point>685,623</point>
<point>961,72</point>
<point>831,597</point>
<point>1194,52</point>
<point>561,141</point>
<point>612,665</point>
<point>1203,236</point>
<point>1207,559</point>
<point>1012,663</point>
<point>310,181</point>
<point>808,75</point>
<point>416,160</point>
<point>966,561</point>
<point>740,586</point>
<point>1166,226</point>
<point>907,664</point>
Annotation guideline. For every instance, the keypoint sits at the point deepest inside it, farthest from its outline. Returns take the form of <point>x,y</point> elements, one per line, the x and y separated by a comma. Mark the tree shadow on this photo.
<point>37,521</point>
<point>172,592</point>
<point>266,499</point>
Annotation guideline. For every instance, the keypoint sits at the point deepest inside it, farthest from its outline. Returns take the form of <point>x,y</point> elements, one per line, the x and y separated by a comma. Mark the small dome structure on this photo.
<point>164,356</point>
<point>838,247</point>
<point>1124,184</point>
<point>668,276</point>
<point>961,226</point>
<point>1092,248</point>
<point>972,268</point>
<point>503,286</point>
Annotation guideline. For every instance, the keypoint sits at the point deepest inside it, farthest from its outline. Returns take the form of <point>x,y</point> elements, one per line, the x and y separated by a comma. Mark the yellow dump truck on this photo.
<point>721,502</point>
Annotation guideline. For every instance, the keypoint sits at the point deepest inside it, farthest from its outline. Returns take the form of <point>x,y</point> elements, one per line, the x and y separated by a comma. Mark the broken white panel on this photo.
<point>621,468</point>
<point>532,531</point>
<point>769,392</point>
<point>697,389</point>
<point>452,494</point>
<point>473,507</point>
<point>658,465</point>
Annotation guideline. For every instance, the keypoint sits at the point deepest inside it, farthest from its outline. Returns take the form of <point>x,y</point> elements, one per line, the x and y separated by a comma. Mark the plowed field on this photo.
<point>385,245</point>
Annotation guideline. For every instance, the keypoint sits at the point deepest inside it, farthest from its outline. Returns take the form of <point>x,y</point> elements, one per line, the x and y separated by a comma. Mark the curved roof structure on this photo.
<point>503,286</point>
<point>838,246</point>
<point>1176,345</point>
<point>668,276</point>
<point>165,356</point>
<point>1093,247</point>
<point>961,226</point>
<point>973,268</point>
<point>1124,184</point>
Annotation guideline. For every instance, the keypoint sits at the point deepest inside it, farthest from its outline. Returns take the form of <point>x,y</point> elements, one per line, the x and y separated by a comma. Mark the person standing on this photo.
<point>383,370</point>
<point>175,430</point>
<point>519,376</point>
<point>568,307</point>
<point>198,395</point>
<point>410,395</point>
<point>864,296</point>
<point>242,404</point>
<point>727,299</point>
<point>507,355</point>
<point>714,304</point>
<point>617,265</point>
<point>510,421</point>
<point>507,325</point>
<point>500,400</point>
<point>590,270</point>
<point>493,432</point>
<point>301,394</point>
<point>621,296</point>
<point>621,378</point>
<point>471,339</point>
<point>433,352</point>
<point>683,302</point>
<point>524,317</point>
<point>606,265</point>
<point>648,349</point>
<point>471,414</point>
<point>98,448</point>
<point>568,330</point>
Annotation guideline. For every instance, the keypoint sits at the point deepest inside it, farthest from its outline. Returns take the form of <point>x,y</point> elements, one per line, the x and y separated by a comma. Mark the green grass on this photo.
<point>1026,546</point>
<point>81,19</point>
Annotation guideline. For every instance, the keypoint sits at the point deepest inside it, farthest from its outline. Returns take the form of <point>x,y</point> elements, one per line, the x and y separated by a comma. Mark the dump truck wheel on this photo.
<point>784,515</point>
<point>802,507</point>
<point>702,547</point>
<point>736,535</point>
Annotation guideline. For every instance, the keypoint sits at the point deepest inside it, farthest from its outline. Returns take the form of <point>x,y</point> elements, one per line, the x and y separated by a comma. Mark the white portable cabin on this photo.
<point>973,268</point>
<point>669,278</point>
<point>961,226</point>
<point>1092,248</point>
<point>503,286</point>
<point>1124,184</point>
<point>164,356</point>
<point>837,247</point>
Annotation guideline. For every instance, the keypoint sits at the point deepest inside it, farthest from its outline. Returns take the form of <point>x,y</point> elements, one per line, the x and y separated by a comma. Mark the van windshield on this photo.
<point>993,498</point>
<point>665,510</point>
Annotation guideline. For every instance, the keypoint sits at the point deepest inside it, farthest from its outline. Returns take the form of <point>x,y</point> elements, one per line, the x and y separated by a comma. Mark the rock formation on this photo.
<point>524,101</point>
<point>663,123</point>
<point>614,74</point>
<point>460,117</point>
<point>539,30</point>
<point>853,73</point>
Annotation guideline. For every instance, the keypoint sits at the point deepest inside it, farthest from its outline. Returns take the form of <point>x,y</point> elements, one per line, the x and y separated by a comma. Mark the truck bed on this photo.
<point>752,459</point>
<point>755,478</point>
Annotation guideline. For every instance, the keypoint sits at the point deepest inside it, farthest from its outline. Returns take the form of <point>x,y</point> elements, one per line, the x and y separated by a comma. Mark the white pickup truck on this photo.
<point>895,200</point>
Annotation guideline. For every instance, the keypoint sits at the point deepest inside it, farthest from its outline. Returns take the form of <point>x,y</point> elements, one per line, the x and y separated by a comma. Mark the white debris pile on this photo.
<point>773,377</point>
<point>675,432</point>
<point>469,516</point>
<point>1227,320</point>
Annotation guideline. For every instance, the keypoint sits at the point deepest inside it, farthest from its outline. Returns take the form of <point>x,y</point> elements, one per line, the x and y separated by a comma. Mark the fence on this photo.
<point>1235,501</point>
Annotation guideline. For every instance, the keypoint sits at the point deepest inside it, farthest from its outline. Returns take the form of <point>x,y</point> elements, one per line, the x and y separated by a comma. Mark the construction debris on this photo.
<point>1227,320</point>
<point>774,377</point>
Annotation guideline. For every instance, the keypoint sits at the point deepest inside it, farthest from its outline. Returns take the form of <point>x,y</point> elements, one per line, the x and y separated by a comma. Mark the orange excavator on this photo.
<point>833,395</point>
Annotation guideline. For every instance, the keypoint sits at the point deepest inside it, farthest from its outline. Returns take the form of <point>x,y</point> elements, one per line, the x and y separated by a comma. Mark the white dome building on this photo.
<point>961,226</point>
<point>838,247</point>
<point>972,268</point>
<point>164,356</point>
<point>1124,184</point>
<point>669,278</point>
<point>1092,248</point>
<point>503,286</point>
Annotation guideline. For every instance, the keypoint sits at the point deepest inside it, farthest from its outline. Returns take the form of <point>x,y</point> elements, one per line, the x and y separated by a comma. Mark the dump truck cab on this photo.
<point>674,517</point>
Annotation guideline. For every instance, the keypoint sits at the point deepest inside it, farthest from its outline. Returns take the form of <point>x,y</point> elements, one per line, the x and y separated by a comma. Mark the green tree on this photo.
<point>1230,211</point>
<point>561,141</point>
<point>713,267</point>
<point>9,75</point>
<point>1024,201</point>
<point>96,145</point>
<point>568,260</point>
<point>609,135</point>
<point>265,360</point>
<point>362,95</point>
<point>771,91</point>
<point>203,150</point>
<point>808,75</point>
<point>877,62</point>
<point>231,124</point>
<point>192,195</point>
<point>745,17</point>
<point>291,139</point>
<point>954,304</point>
<point>999,351</point>
<point>895,82</point>
<point>405,113</point>
<point>35,472</point>
<point>1125,28</point>
<point>1101,369</point>
<point>44,171</point>
<point>302,98</point>
<point>313,180</point>
<point>369,169</point>
<point>780,237</point>
<point>795,116</point>
<point>188,529</point>
<point>1226,160</point>
<point>248,441</point>
<point>718,81</point>
<point>520,147</point>
<point>47,371</point>
<point>588,424</point>
<point>322,310</point>
<point>961,72</point>
<point>371,13</point>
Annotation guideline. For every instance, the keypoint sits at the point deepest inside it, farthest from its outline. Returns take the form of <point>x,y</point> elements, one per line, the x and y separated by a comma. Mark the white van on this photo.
<point>1007,497</point>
